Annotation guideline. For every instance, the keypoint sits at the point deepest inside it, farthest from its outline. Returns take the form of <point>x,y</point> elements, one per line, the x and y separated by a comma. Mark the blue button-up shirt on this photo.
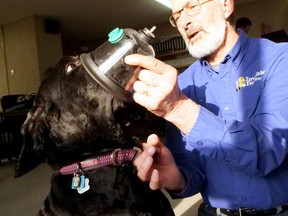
<point>236,153</point>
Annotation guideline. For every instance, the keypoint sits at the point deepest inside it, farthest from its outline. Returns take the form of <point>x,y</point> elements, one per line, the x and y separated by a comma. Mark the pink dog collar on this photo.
<point>117,157</point>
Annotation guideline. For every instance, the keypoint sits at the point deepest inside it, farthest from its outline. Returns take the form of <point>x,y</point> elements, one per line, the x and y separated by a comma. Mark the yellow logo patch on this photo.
<point>243,82</point>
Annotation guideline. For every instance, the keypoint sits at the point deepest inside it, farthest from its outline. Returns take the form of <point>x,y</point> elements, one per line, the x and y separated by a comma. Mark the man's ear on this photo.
<point>228,8</point>
<point>32,153</point>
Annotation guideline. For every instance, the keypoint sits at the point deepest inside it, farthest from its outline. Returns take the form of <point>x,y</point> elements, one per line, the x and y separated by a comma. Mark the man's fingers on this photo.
<point>150,78</point>
<point>144,168</point>
<point>154,181</point>
<point>141,87</point>
<point>147,62</point>
<point>153,140</point>
<point>144,162</point>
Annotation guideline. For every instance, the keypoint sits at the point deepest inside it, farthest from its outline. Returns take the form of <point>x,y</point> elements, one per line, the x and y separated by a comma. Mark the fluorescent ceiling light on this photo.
<point>166,3</point>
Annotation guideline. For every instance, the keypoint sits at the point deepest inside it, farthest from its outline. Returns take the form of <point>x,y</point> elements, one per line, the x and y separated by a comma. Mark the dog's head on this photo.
<point>72,119</point>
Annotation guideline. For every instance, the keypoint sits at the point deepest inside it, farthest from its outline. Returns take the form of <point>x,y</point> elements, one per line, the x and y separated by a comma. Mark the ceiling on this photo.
<point>85,20</point>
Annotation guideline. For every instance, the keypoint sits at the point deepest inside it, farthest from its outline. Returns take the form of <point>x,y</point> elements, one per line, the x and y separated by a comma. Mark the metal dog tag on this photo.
<point>75,181</point>
<point>78,181</point>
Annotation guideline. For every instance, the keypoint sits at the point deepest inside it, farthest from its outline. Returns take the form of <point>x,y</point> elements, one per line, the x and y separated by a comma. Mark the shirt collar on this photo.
<point>239,50</point>
<point>237,53</point>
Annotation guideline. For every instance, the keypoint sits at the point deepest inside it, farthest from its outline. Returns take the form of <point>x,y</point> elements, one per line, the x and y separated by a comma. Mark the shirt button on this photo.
<point>244,198</point>
<point>227,161</point>
<point>226,107</point>
<point>199,143</point>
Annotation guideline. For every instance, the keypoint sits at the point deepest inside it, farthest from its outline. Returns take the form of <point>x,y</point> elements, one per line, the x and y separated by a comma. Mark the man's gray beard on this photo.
<point>207,46</point>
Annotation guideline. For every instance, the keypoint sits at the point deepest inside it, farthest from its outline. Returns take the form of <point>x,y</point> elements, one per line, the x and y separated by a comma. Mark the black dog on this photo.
<point>83,132</point>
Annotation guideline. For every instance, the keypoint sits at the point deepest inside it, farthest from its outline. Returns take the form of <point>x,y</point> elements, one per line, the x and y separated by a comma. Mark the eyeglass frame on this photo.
<point>172,20</point>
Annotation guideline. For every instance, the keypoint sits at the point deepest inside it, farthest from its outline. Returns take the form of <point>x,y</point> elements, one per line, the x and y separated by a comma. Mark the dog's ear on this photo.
<point>32,153</point>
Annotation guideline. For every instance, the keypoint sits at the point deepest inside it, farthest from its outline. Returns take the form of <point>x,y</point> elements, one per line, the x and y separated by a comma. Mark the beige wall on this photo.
<point>21,56</point>
<point>49,47</point>
<point>28,52</point>
<point>3,74</point>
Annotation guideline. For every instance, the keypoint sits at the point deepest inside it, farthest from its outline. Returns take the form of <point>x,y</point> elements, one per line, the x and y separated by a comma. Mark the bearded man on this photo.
<point>227,116</point>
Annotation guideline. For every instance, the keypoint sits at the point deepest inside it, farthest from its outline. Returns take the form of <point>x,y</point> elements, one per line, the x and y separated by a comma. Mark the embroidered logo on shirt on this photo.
<point>248,81</point>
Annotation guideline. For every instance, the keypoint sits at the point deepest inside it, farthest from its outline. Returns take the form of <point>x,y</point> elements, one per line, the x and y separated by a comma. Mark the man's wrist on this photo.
<point>184,114</point>
<point>181,184</point>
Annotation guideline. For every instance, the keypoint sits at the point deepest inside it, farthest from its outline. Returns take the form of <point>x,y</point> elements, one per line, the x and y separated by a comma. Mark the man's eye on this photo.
<point>192,5</point>
<point>176,17</point>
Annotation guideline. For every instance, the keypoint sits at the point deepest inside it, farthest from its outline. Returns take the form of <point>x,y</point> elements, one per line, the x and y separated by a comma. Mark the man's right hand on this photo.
<point>156,88</point>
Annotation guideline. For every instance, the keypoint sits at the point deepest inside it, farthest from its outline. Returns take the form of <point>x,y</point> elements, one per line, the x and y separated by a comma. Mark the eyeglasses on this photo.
<point>192,8</point>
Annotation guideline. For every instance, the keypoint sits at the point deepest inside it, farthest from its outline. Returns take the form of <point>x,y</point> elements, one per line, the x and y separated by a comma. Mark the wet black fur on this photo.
<point>73,119</point>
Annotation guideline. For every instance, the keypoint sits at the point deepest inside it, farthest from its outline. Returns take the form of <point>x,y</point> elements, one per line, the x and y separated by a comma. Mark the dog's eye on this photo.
<point>69,68</point>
